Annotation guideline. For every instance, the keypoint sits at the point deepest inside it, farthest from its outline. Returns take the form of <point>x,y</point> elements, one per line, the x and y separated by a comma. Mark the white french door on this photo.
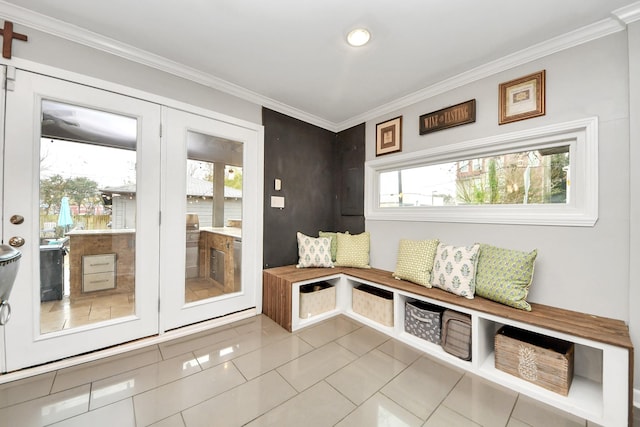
<point>61,137</point>
<point>128,231</point>
<point>211,218</point>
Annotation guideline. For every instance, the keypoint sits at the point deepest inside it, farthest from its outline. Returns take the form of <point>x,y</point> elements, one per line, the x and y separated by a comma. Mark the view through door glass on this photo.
<point>87,216</point>
<point>214,217</point>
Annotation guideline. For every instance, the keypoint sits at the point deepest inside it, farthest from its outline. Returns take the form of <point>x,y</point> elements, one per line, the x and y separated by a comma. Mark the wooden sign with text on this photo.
<point>455,115</point>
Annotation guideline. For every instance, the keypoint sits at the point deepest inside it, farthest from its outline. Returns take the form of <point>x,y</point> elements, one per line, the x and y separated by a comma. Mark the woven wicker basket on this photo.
<point>541,360</point>
<point>376,304</point>
<point>316,298</point>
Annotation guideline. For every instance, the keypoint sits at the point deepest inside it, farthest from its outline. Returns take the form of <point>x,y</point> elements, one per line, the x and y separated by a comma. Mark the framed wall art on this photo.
<point>389,136</point>
<point>522,98</point>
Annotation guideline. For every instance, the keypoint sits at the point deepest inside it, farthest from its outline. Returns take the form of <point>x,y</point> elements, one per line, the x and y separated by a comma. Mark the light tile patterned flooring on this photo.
<point>197,289</point>
<point>65,313</point>
<point>254,373</point>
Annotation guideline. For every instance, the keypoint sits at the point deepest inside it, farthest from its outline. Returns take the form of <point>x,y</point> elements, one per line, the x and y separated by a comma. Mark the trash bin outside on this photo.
<point>51,271</point>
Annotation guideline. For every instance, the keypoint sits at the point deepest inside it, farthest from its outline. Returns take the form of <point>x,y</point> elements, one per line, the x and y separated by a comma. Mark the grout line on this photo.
<point>232,361</point>
<point>514,408</point>
<point>184,422</point>
<point>53,382</point>
<point>296,393</point>
<point>356,405</point>
<point>394,401</point>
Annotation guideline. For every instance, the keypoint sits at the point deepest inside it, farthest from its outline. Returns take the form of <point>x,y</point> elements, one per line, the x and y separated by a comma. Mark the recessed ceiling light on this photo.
<point>358,37</point>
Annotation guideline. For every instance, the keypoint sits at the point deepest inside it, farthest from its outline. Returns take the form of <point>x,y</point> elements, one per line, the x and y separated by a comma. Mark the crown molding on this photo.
<point>96,41</point>
<point>574,38</point>
<point>628,14</point>
<point>79,35</point>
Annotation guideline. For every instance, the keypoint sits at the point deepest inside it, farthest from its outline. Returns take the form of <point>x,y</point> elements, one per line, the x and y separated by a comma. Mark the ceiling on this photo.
<point>291,55</point>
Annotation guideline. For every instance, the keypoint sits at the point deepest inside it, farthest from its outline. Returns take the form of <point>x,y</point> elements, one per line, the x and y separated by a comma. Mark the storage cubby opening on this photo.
<point>588,363</point>
<point>314,287</point>
<point>316,298</point>
<point>373,303</point>
<point>423,320</point>
<point>586,387</point>
<point>457,334</point>
<point>542,360</point>
<point>380,293</point>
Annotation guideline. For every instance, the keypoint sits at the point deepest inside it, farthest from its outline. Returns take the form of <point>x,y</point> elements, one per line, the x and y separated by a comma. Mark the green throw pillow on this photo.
<point>353,250</point>
<point>415,261</point>
<point>334,242</point>
<point>505,275</point>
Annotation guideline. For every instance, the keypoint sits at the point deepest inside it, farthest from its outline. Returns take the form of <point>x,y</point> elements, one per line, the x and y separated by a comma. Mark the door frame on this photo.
<point>174,312</point>
<point>25,344</point>
<point>256,243</point>
<point>3,76</point>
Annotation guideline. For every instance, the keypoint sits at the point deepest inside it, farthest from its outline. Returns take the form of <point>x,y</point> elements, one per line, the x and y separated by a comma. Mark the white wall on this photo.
<point>634,274</point>
<point>61,53</point>
<point>579,268</point>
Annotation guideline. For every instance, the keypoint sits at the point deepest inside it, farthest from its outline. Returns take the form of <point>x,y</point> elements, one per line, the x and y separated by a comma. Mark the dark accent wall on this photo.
<point>349,160</point>
<point>319,194</point>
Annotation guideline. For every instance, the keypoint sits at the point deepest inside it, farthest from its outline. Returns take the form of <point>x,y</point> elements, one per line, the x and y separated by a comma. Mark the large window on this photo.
<point>526,177</point>
<point>540,176</point>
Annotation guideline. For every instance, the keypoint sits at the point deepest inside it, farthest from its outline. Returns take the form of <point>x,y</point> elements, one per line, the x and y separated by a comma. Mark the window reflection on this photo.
<point>87,216</point>
<point>120,388</point>
<point>214,217</point>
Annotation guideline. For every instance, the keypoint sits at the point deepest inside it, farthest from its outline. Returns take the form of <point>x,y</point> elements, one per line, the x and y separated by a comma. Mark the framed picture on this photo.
<point>389,136</point>
<point>522,98</point>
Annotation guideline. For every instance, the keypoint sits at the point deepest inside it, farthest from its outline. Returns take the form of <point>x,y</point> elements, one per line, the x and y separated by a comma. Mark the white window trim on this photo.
<point>581,210</point>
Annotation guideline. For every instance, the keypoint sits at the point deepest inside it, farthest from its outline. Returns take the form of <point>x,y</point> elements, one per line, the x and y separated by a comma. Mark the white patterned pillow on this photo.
<point>454,269</point>
<point>415,260</point>
<point>314,252</point>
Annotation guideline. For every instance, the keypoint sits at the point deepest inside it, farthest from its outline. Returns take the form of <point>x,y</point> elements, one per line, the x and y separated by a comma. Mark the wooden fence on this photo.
<point>83,222</point>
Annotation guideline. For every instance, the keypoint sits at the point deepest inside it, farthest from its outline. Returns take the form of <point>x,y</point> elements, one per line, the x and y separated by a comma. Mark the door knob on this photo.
<point>16,241</point>
<point>16,219</point>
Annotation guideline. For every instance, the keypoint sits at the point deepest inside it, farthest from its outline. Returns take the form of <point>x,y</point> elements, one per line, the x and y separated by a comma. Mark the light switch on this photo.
<point>277,202</point>
<point>277,184</point>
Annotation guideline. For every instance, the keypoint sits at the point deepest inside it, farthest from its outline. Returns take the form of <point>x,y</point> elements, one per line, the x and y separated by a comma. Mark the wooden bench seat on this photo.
<point>588,326</point>
<point>281,284</point>
<point>277,297</point>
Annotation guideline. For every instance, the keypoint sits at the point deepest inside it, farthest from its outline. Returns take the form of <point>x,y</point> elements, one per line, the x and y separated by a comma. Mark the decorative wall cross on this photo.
<point>8,35</point>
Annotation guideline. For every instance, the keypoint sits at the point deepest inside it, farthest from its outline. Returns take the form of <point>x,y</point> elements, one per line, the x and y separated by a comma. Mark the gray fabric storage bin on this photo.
<point>423,320</point>
<point>456,334</point>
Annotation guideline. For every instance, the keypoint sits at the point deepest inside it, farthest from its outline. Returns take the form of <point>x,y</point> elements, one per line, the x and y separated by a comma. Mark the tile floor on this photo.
<point>66,313</point>
<point>254,373</point>
<point>200,288</point>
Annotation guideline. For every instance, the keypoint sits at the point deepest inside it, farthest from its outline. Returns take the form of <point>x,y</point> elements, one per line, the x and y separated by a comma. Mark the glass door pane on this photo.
<point>87,216</point>
<point>210,243</point>
<point>214,217</point>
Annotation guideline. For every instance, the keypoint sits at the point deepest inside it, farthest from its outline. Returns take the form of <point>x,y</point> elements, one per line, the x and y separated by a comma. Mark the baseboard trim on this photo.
<point>134,345</point>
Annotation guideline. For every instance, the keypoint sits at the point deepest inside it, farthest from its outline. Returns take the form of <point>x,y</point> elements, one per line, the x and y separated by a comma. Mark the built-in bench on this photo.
<point>603,383</point>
